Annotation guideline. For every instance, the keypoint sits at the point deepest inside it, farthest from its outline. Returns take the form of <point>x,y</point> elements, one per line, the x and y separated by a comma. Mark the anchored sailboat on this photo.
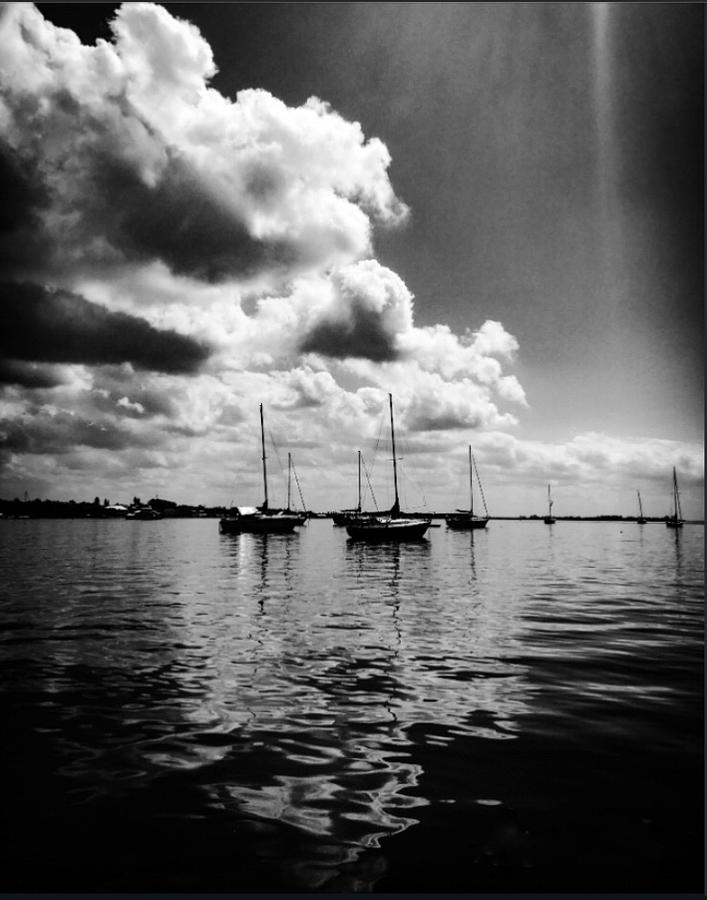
<point>463,519</point>
<point>394,526</point>
<point>291,470</point>
<point>549,518</point>
<point>262,519</point>
<point>676,520</point>
<point>344,516</point>
<point>641,518</point>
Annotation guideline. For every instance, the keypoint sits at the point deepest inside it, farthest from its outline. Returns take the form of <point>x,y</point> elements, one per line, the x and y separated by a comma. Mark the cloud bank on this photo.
<point>47,325</point>
<point>171,257</point>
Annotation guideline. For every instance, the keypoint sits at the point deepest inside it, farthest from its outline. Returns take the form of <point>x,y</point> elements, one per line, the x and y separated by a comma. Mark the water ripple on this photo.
<point>324,695</point>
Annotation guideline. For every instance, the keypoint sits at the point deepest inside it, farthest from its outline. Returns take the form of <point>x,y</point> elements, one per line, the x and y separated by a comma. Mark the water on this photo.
<point>519,709</point>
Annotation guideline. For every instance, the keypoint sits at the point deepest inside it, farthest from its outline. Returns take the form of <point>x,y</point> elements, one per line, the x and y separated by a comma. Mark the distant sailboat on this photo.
<point>344,516</point>
<point>641,518</point>
<point>549,518</point>
<point>262,519</point>
<point>392,527</point>
<point>676,520</point>
<point>463,519</point>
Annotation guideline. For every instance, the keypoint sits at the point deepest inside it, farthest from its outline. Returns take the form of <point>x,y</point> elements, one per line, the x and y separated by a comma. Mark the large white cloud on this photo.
<point>139,159</point>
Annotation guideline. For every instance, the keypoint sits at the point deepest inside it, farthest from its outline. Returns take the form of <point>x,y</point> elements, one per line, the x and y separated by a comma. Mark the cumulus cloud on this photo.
<point>134,157</point>
<point>172,257</point>
<point>370,308</point>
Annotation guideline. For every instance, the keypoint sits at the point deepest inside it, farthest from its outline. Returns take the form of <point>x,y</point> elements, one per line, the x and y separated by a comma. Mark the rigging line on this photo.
<point>417,486</point>
<point>299,489</point>
<point>408,476</point>
<point>378,443</point>
<point>370,486</point>
<point>273,445</point>
<point>481,487</point>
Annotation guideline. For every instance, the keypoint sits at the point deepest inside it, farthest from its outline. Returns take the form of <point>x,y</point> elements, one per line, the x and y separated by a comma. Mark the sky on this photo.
<point>493,212</point>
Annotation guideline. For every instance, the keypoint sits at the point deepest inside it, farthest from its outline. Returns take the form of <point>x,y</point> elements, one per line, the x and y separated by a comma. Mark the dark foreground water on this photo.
<point>520,710</point>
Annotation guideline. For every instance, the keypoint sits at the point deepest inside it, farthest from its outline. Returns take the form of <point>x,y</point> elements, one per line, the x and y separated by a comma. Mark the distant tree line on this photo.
<point>98,509</point>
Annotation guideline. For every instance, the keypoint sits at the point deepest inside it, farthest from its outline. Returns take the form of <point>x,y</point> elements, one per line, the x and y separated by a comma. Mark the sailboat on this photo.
<point>290,472</point>
<point>394,526</point>
<point>262,519</point>
<point>549,518</point>
<point>675,521</point>
<point>641,518</point>
<point>463,519</point>
<point>344,516</point>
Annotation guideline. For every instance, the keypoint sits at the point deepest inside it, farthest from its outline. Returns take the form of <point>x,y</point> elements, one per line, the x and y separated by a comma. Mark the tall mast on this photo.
<point>289,479</point>
<point>265,471</point>
<point>471,486</point>
<point>640,505</point>
<point>396,506</point>
<point>549,501</point>
<point>358,508</point>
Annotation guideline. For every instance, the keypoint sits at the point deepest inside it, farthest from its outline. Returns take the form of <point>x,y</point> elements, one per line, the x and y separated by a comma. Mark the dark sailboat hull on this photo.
<point>260,524</point>
<point>466,522</point>
<point>377,530</point>
<point>395,526</point>
<point>262,519</point>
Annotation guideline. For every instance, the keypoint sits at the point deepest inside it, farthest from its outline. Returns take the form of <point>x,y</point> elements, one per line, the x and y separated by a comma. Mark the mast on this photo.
<point>265,471</point>
<point>640,505</point>
<point>549,501</point>
<point>471,487</point>
<point>289,479</point>
<point>396,506</point>
<point>358,508</point>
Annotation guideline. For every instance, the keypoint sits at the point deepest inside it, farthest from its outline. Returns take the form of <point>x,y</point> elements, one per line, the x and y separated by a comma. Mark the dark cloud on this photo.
<point>60,433</point>
<point>40,324</point>
<point>302,401</point>
<point>444,420</point>
<point>23,196</point>
<point>20,192</point>
<point>28,375</point>
<point>116,390</point>
<point>361,335</point>
<point>181,220</point>
<point>133,403</point>
<point>109,213</point>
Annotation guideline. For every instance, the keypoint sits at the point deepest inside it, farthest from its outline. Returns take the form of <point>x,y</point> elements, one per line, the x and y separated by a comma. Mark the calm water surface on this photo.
<point>519,709</point>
